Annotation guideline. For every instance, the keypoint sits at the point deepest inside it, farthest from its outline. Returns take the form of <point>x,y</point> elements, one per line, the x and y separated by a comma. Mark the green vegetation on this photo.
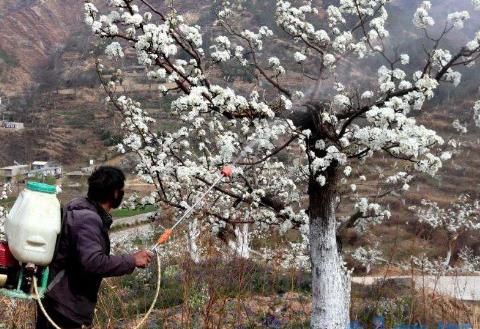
<point>120,213</point>
<point>50,180</point>
<point>7,202</point>
<point>7,58</point>
<point>110,138</point>
<point>80,118</point>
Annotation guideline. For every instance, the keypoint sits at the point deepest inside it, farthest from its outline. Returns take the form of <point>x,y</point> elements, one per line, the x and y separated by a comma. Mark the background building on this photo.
<point>14,173</point>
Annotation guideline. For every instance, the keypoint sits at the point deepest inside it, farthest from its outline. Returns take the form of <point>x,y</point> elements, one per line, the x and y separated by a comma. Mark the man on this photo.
<point>83,256</point>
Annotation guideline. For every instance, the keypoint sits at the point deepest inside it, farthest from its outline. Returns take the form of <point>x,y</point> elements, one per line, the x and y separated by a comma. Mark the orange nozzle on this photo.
<point>165,236</point>
<point>227,171</point>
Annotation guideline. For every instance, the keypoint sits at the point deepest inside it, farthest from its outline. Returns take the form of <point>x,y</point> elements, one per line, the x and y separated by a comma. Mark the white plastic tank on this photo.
<point>33,224</point>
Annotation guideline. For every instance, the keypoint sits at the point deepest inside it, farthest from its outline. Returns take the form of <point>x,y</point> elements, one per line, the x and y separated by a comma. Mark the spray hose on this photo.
<point>138,326</point>
<point>226,172</point>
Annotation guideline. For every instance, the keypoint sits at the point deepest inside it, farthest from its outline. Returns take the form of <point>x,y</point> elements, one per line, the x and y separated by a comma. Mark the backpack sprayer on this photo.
<point>31,228</point>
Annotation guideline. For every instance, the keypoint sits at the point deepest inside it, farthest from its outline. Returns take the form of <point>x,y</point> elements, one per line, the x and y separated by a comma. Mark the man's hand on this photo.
<point>143,258</point>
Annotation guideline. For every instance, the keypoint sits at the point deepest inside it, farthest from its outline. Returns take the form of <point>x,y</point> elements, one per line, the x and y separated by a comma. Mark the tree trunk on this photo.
<point>330,284</point>
<point>241,245</point>
<point>193,234</point>
<point>452,240</point>
<point>243,241</point>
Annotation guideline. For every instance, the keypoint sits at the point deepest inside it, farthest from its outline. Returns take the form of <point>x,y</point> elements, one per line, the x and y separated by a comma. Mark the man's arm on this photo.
<point>87,235</point>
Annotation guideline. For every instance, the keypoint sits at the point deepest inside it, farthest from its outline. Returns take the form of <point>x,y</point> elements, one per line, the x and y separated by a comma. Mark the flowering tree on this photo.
<point>368,257</point>
<point>461,216</point>
<point>292,153</point>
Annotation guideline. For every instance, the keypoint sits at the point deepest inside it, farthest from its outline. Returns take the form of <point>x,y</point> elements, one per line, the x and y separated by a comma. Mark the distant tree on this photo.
<point>324,144</point>
<point>459,217</point>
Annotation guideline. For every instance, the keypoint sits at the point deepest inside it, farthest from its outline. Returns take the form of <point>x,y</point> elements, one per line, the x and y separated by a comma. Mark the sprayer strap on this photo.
<point>55,280</point>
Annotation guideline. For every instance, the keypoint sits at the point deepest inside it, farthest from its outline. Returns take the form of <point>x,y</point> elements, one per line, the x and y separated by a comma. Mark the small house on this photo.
<point>14,173</point>
<point>39,165</point>
<point>45,169</point>
<point>12,125</point>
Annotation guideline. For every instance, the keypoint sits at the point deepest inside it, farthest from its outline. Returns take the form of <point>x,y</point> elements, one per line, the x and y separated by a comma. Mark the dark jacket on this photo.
<point>82,260</point>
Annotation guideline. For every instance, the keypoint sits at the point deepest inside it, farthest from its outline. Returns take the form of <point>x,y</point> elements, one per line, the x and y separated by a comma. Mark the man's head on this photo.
<point>105,186</point>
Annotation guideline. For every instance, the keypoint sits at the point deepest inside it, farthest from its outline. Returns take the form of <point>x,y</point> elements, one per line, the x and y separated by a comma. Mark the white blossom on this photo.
<point>458,18</point>
<point>463,214</point>
<point>329,60</point>
<point>341,101</point>
<point>368,257</point>
<point>114,50</point>
<point>476,113</point>
<point>274,64</point>
<point>299,57</point>
<point>367,94</point>
<point>221,49</point>
<point>404,59</point>
<point>459,127</point>
<point>476,4</point>
<point>421,18</point>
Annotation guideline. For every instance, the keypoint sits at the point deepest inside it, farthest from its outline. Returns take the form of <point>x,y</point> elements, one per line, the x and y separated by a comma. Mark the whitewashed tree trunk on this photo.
<point>448,258</point>
<point>242,244</point>
<point>330,285</point>
<point>193,234</point>
<point>451,245</point>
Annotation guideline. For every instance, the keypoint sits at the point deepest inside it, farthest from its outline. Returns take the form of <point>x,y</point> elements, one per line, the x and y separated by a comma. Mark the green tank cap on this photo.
<point>41,187</point>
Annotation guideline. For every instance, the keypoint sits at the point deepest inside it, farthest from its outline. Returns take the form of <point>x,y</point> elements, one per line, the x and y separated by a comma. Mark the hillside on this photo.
<point>31,30</point>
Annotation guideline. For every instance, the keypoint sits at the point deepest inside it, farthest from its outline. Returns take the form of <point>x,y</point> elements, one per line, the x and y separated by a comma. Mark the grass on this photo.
<point>7,202</point>
<point>233,291</point>
<point>121,213</point>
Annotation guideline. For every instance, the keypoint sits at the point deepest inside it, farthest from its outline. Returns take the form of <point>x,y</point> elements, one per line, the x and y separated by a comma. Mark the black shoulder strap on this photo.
<point>51,277</point>
<point>62,229</point>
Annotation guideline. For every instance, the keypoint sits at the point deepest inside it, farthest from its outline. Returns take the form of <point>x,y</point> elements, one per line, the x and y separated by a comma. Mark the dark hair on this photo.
<point>103,183</point>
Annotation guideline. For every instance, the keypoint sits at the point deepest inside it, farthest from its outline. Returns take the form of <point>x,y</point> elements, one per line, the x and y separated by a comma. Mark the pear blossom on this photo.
<point>299,57</point>
<point>404,59</point>
<point>274,63</point>
<point>329,60</point>
<point>114,50</point>
<point>476,109</point>
<point>367,94</point>
<point>368,257</point>
<point>458,18</point>
<point>476,4</point>
<point>221,49</point>
<point>421,18</point>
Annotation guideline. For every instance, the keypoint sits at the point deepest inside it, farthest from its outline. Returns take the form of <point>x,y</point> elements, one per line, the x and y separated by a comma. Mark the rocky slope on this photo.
<point>30,31</point>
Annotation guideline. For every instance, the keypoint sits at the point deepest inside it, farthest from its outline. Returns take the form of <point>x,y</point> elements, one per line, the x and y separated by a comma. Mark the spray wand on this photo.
<point>225,172</point>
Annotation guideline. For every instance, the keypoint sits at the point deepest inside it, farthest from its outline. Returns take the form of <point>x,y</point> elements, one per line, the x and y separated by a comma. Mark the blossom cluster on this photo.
<point>459,18</point>
<point>476,4</point>
<point>476,116</point>
<point>372,214</point>
<point>462,215</point>
<point>368,257</point>
<point>422,19</point>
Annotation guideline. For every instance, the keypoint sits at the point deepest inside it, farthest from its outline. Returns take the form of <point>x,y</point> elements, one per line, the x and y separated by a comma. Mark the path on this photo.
<point>460,287</point>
